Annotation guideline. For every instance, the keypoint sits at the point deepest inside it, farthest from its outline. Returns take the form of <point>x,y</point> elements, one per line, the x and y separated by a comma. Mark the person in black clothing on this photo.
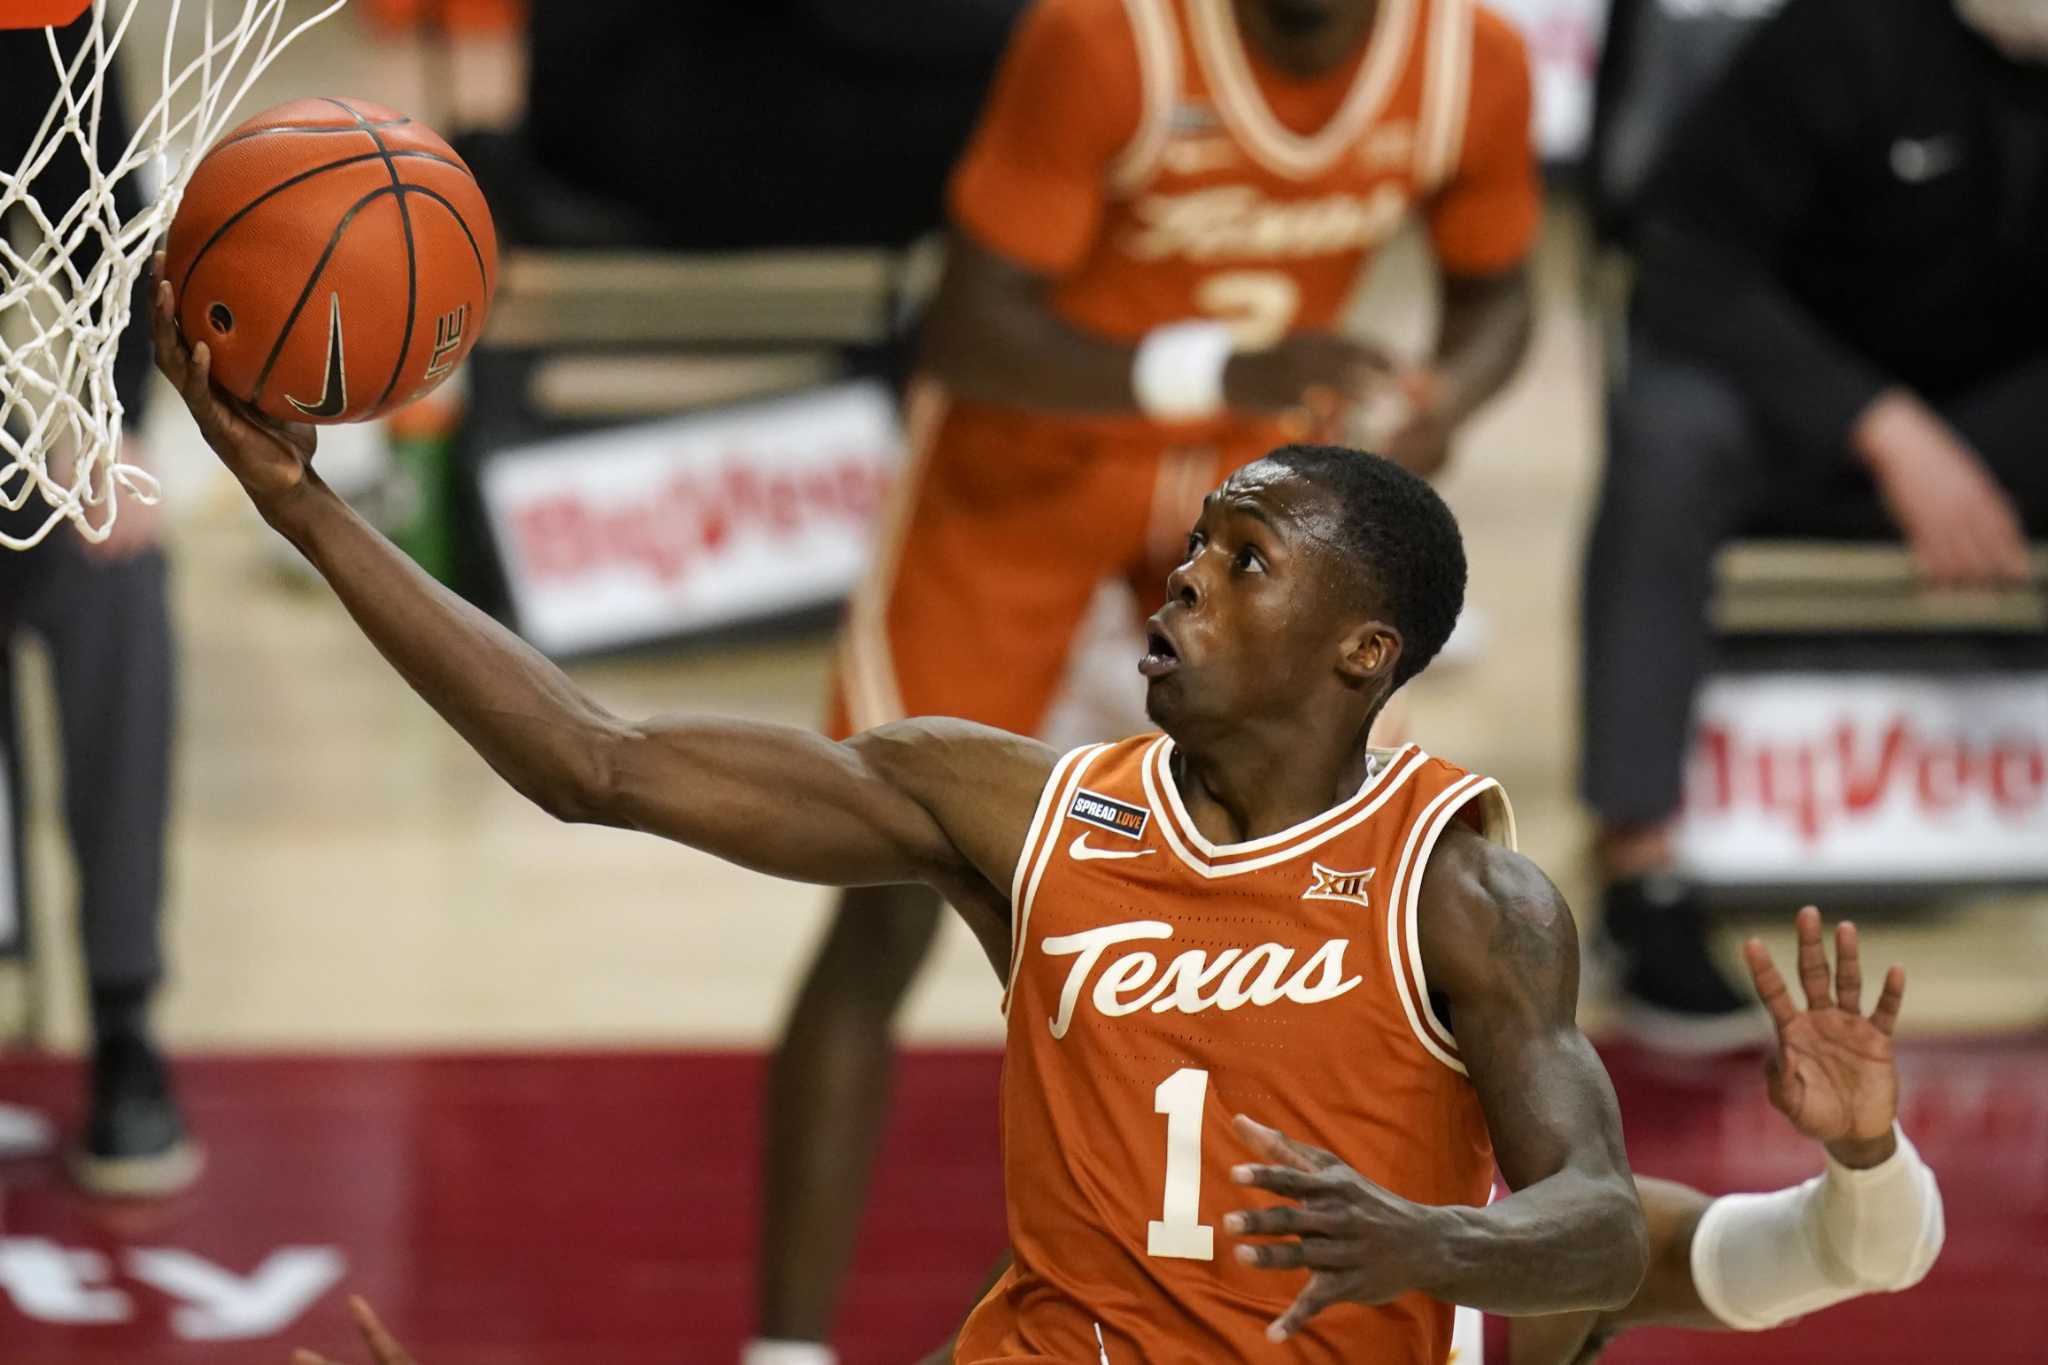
<point>101,611</point>
<point>1836,332</point>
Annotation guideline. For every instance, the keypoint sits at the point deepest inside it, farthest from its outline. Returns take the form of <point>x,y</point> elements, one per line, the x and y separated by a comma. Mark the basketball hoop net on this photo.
<point>60,419</point>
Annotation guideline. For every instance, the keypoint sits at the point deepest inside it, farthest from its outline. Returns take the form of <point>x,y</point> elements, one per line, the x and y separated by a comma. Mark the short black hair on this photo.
<point>1400,536</point>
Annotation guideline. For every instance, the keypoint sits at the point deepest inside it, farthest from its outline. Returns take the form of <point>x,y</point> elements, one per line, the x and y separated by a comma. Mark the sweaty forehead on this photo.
<point>1279,496</point>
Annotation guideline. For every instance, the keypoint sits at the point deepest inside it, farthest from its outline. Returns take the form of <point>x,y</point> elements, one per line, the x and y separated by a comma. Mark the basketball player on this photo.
<point>1157,228</point>
<point>1741,1261</point>
<point>1253,912</point>
<point>1746,1261</point>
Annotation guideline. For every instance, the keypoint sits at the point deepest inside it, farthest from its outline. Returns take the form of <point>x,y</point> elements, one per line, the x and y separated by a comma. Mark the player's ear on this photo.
<point>1368,652</point>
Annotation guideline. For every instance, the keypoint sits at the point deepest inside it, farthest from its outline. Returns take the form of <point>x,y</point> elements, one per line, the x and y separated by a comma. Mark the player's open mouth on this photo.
<point>1161,657</point>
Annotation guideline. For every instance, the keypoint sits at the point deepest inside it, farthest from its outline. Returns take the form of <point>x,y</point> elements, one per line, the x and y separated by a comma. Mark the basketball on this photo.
<point>336,256</point>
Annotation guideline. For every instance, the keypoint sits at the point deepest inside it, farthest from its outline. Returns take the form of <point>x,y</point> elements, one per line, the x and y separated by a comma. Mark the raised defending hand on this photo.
<point>1832,1074</point>
<point>1355,1238</point>
<point>268,457</point>
<point>383,1350</point>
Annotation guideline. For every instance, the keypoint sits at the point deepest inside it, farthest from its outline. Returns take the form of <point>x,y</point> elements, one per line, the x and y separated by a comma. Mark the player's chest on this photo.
<point>1123,933</point>
<point>1226,208</point>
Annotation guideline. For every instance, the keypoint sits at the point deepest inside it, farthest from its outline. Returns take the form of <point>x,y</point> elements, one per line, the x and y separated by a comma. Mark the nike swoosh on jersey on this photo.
<point>334,388</point>
<point>1082,851</point>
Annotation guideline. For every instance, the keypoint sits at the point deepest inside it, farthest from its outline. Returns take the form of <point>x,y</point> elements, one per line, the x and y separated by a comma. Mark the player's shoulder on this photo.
<point>1089,34</point>
<point>945,746</point>
<point>1498,48</point>
<point>1467,866</point>
<point>1481,898</point>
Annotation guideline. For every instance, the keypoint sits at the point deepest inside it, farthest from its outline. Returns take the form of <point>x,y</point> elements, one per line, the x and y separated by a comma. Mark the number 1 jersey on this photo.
<point>1160,984</point>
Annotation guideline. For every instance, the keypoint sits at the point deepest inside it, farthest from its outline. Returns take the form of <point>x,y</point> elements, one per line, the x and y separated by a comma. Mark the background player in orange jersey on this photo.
<point>1364,960</point>
<point>1759,1261</point>
<point>1158,225</point>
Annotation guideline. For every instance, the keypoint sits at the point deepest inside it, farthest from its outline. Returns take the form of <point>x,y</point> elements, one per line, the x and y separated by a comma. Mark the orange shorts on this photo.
<point>999,530</point>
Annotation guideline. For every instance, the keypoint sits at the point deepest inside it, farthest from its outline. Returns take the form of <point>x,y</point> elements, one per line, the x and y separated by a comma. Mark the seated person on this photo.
<point>1836,333</point>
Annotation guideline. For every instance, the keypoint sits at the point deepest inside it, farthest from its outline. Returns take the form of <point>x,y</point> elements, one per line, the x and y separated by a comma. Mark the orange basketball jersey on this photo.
<point>1143,155</point>
<point>1159,984</point>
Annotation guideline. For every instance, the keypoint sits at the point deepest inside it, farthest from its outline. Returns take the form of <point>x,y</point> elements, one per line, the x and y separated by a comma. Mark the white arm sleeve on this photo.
<point>1760,1260</point>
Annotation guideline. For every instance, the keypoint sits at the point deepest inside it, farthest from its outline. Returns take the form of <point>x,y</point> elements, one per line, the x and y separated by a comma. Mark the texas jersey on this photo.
<point>1139,156</point>
<point>1143,156</point>
<point>1160,984</point>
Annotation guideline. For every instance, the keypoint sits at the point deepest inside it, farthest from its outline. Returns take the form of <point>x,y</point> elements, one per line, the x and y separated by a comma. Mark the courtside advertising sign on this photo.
<point>657,530</point>
<point>1864,778</point>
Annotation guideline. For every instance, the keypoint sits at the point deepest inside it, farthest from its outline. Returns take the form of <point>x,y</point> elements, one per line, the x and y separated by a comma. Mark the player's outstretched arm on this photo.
<point>1834,1078</point>
<point>1872,1221</point>
<point>942,801</point>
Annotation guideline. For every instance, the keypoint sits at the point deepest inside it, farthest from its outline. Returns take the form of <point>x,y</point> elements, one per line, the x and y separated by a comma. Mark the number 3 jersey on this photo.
<point>1145,157</point>
<point>1161,984</point>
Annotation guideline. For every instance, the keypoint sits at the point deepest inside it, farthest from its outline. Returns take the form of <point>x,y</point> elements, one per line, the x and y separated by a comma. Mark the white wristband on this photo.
<point>1178,373</point>
<point>1759,1260</point>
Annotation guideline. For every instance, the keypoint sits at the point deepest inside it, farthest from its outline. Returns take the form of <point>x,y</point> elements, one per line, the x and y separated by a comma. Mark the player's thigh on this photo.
<point>878,938</point>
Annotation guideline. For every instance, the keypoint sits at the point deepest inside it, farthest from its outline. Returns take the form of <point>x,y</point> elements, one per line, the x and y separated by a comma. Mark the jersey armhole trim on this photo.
<point>867,659</point>
<point>1446,95</point>
<point>1039,842</point>
<point>1157,41</point>
<point>1404,942</point>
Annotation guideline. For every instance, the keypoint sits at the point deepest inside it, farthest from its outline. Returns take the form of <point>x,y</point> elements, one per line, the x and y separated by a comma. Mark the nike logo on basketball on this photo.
<point>334,393</point>
<point>1081,851</point>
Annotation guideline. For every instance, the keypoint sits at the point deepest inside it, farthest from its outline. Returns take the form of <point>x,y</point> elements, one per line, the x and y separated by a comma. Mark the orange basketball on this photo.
<point>336,256</point>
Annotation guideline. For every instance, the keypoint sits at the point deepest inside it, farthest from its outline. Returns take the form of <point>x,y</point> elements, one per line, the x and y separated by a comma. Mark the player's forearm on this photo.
<point>515,708</point>
<point>1032,361</point>
<point>774,798</point>
<point>1485,331</point>
<point>1570,1241</point>
<point>992,336</point>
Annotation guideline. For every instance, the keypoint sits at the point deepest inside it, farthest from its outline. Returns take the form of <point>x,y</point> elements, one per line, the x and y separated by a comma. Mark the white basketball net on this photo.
<point>60,420</point>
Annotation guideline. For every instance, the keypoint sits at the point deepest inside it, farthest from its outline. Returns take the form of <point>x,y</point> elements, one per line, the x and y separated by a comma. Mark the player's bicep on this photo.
<point>979,785</point>
<point>1499,942</point>
<point>774,798</point>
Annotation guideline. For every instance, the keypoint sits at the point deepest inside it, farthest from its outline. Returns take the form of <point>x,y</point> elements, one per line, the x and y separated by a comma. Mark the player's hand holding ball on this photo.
<point>331,260</point>
<point>1355,1238</point>
<point>268,457</point>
